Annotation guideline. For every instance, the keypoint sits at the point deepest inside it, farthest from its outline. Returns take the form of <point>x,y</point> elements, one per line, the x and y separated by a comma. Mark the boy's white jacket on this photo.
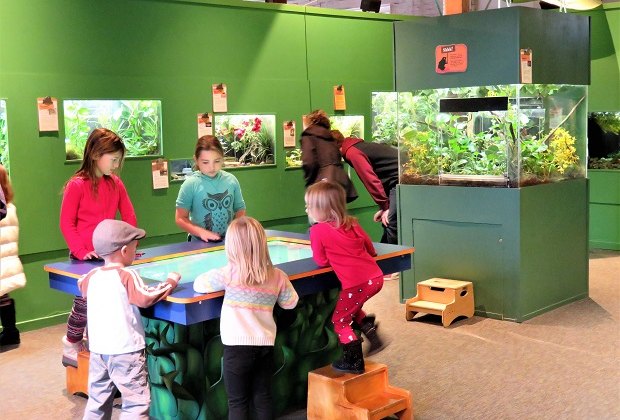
<point>11,270</point>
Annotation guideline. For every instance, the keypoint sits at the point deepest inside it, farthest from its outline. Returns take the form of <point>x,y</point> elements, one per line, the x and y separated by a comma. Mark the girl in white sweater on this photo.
<point>11,271</point>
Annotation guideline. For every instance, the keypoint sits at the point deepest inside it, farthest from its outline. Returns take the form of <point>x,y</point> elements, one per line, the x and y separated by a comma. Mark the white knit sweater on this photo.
<point>11,270</point>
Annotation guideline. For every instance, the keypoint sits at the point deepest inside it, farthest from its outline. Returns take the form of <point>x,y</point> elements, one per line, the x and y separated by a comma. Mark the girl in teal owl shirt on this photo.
<point>210,198</point>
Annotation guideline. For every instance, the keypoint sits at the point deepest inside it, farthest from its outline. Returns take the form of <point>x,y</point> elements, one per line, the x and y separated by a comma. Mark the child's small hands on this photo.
<point>174,276</point>
<point>207,236</point>
<point>92,255</point>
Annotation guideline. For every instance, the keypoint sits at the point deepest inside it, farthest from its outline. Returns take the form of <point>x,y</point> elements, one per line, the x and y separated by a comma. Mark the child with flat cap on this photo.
<point>116,336</point>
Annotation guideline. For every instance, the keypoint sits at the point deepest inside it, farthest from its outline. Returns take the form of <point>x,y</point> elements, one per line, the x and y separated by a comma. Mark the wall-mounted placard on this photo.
<point>340,103</point>
<point>526,65</point>
<point>205,124</point>
<point>220,103</point>
<point>159,168</point>
<point>451,58</point>
<point>289,133</point>
<point>48,113</point>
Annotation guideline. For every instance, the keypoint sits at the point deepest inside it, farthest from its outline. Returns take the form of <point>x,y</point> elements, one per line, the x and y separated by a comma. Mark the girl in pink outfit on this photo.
<point>337,240</point>
<point>94,193</point>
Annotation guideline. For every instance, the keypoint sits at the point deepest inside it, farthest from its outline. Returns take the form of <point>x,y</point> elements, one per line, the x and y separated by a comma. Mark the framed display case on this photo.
<point>248,139</point>
<point>137,122</point>
<point>4,137</point>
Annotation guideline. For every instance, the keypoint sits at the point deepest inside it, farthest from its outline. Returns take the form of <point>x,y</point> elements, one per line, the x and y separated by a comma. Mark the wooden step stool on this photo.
<point>77,378</point>
<point>448,298</point>
<point>345,396</point>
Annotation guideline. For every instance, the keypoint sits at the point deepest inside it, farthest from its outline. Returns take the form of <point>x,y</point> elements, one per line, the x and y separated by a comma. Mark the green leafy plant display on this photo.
<point>608,121</point>
<point>525,144</point>
<point>4,138</point>
<point>137,122</point>
<point>293,158</point>
<point>348,125</point>
<point>247,139</point>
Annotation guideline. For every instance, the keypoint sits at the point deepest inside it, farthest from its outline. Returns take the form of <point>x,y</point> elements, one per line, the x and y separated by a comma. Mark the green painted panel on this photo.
<point>462,251</point>
<point>604,186</point>
<point>349,50</point>
<point>554,245</point>
<point>604,226</point>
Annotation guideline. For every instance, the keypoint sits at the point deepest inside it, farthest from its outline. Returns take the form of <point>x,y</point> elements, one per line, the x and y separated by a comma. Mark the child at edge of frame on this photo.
<point>252,286</point>
<point>337,240</point>
<point>116,335</point>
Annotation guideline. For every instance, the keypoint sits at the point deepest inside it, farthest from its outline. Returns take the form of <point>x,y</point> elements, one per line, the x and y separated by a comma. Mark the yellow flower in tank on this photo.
<point>563,149</point>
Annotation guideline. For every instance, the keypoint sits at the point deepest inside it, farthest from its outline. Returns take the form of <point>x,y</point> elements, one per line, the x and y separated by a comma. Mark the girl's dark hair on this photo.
<point>318,117</point>
<point>5,184</point>
<point>207,143</point>
<point>100,142</point>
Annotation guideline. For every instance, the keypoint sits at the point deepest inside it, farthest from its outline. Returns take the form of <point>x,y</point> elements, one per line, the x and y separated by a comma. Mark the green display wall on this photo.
<point>274,59</point>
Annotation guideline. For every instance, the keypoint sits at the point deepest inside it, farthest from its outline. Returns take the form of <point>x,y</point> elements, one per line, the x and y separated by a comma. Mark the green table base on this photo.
<point>185,362</point>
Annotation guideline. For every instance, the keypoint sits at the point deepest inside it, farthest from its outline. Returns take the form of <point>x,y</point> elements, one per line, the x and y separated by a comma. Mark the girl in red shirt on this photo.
<point>92,194</point>
<point>337,240</point>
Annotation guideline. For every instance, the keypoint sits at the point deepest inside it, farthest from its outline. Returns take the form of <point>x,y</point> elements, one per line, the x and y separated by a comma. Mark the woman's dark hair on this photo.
<point>318,117</point>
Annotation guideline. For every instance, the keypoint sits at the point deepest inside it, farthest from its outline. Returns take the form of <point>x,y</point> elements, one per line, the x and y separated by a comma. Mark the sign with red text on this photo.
<point>451,58</point>
<point>525,57</point>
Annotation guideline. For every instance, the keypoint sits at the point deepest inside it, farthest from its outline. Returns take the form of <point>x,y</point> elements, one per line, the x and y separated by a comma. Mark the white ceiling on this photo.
<point>410,7</point>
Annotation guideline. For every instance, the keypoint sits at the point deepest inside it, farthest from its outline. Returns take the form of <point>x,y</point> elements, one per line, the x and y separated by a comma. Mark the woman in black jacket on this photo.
<point>320,156</point>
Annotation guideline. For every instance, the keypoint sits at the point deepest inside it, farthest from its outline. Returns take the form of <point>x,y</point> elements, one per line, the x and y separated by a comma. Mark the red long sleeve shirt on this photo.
<point>349,252</point>
<point>81,211</point>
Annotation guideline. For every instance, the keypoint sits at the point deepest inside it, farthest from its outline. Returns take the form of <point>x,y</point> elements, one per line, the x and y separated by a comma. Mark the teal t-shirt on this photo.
<point>211,202</point>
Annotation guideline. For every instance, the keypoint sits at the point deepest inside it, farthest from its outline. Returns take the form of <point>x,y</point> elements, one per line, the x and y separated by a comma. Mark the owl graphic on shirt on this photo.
<point>219,211</point>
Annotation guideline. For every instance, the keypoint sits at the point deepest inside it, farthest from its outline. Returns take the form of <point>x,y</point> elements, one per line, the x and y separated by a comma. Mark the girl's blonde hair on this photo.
<point>247,252</point>
<point>327,202</point>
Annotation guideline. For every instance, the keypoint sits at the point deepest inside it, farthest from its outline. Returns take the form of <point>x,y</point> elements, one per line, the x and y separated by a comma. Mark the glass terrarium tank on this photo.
<point>503,136</point>
<point>604,140</point>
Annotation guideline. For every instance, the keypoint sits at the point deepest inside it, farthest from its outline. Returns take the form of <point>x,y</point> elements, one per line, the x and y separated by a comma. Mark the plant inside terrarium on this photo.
<point>246,139</point>
<point>137,122</point>
<point>293,158</point>
<point>348,125</point>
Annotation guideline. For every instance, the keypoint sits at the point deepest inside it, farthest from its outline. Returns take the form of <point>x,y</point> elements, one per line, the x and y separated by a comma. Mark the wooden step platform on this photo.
<point>345,396</point>
<point>444,297</point>
<point>77,378</point>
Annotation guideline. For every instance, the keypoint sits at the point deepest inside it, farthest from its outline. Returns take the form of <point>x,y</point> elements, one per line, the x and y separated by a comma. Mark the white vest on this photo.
<point>11,270</point>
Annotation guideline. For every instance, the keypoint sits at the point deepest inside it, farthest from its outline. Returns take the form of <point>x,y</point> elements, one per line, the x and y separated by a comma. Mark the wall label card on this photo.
<point>526,65</point>
<point>219,98</point>
<point>289,133</point>
<point>451,58</point>
<point>159,168</point>
<point>205,124</point>
<point>340,103</point>
<point>47,108</point>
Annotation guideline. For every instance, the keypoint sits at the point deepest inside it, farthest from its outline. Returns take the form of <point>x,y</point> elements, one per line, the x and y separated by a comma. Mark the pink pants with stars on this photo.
<point>349,308</point>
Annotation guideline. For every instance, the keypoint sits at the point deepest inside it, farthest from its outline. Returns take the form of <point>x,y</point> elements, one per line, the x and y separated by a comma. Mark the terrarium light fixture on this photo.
<point>458,179</point>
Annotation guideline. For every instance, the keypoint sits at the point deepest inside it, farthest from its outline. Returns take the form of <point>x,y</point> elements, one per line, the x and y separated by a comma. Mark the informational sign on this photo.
<point>220,103</point>
<point>159,168</point>
<point>48,113</point>
<point>289,133</point>
<point>526,65</point>
<point>451,58</point>
<point>205,124</point>
<point>340,103</point>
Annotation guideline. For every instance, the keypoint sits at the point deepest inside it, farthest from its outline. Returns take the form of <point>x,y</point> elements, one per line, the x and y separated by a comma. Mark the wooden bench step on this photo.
<point>383,405</point>
<point>426,306</point>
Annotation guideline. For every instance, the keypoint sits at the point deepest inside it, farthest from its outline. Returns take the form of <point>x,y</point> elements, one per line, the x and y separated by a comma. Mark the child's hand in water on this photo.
<point>209,236</point>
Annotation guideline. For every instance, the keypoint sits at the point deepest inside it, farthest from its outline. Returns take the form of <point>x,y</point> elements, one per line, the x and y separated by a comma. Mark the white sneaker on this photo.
<point>70,351</point>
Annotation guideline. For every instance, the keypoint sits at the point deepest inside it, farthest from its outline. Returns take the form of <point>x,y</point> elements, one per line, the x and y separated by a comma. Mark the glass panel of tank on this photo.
<point>504,136</point>
<point>604,140</point>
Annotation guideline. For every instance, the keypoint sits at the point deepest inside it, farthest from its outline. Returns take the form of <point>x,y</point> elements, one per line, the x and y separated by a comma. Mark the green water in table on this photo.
<point>191,266</point>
